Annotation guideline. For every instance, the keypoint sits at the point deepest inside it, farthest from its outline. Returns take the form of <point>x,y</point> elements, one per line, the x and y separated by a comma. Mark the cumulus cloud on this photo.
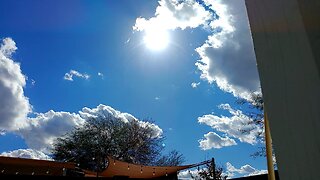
<point>14,104</point>
<point>40,131</point>
<point>27,154</point>
<point>245,170</point>
<point>8,47</point>
<point>107,111</point>
<point>43,129</point>
<point>213,140</point>
<point>69,76</point>
<point>227,57</point>
<point>231,171</point>
<point>195,85</point>
<point>173,14</point>
<point>188,174</point>
<point>238,125</point>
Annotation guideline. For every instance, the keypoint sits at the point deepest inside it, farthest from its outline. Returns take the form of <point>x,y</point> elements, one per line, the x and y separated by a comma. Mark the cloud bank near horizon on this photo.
<point>40,130</point>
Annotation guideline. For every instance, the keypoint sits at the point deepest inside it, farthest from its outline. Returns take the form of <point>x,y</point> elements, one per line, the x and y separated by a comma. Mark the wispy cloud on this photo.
<point>33,82</point>
<point>157,98</point>
<point>69,76</point>
<point>101,75</point>
<point>195,85</point>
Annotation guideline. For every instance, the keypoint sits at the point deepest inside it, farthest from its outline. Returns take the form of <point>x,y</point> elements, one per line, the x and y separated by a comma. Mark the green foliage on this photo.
<point>90,144</point>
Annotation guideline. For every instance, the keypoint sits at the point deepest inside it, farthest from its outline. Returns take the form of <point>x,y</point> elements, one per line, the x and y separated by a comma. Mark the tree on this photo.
<point>172,159</point>
<point>255,105</point>
<point>132,142</point>
<point>257,115</point>
<point>211,171</point>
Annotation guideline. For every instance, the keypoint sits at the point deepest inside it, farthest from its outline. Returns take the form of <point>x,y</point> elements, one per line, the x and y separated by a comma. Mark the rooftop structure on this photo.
<point>114,169</point>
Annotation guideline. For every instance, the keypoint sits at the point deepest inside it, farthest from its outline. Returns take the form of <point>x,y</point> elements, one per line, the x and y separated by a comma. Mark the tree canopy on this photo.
<point>255,112</point>
<point>129,141</point>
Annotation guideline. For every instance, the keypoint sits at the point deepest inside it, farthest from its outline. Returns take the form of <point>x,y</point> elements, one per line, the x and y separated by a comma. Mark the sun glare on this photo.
<point>156,39</point>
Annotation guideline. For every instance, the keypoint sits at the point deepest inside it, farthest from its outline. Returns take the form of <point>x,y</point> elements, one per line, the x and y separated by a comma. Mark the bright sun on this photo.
<point>156,39</point>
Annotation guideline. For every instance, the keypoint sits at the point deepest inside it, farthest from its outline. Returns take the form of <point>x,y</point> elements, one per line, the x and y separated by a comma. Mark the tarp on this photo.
<point>120,168</point>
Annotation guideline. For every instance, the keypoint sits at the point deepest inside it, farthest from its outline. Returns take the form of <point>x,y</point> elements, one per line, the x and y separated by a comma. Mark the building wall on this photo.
<point>286,35</point>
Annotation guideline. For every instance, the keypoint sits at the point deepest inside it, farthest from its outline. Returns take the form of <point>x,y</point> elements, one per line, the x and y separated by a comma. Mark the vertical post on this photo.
<point>271,175</point>
<point>97,169</point>
<point>213,170</point>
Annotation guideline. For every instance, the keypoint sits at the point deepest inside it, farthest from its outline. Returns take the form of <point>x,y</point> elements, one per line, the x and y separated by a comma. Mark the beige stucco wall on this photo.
<point>286,35</point>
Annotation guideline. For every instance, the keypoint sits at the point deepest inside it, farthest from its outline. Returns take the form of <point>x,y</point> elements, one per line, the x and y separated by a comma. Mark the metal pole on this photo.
<point>271,175</point>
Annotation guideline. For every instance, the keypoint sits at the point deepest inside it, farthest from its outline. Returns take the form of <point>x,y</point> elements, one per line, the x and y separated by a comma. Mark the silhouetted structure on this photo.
<point>31,168</point>
<point>287,46</point>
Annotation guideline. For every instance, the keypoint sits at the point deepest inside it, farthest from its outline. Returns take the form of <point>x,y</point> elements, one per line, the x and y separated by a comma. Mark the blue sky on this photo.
<point>61,60</point>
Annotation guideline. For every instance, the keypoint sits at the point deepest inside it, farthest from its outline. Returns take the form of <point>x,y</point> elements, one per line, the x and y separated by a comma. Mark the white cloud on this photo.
<point>69,76</point>
<point>237,126</point>
<point>107,111</point>
<point>227,57</point>
<point>195,85</point>
<point>40,131</point>
<point>230,172</point>
<point>2,132</point>
<point>101,75</point>
<point>8,47</point>
<point>14,105</point>
<point>188,174</point>
<point>33,82</point>
<point>245,170</point>
<point>213,140</point>
<point>173,14</point>
<point>45,127</point>
<point>157,98</point>
<point>27,154</point>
